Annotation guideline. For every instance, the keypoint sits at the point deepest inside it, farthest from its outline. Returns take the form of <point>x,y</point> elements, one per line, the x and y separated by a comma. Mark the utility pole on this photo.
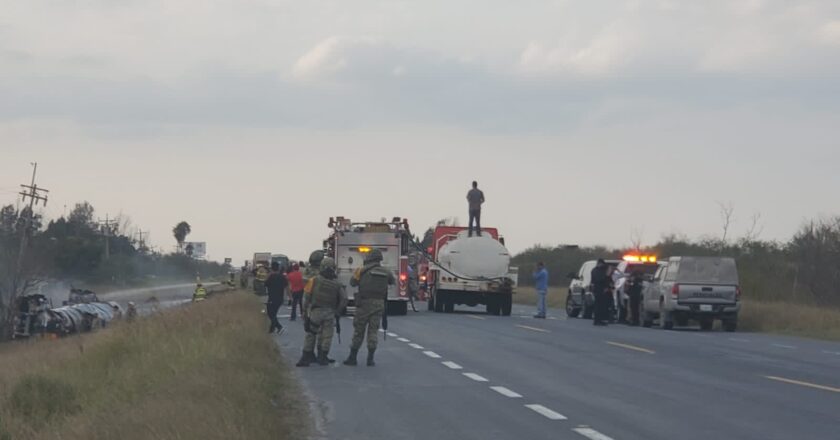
<point>141,242</point>
<point>106,226</point>
<point>35,196</point>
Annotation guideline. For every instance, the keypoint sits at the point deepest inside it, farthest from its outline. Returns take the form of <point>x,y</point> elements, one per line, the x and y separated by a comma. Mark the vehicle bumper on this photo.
<point>717,310</point>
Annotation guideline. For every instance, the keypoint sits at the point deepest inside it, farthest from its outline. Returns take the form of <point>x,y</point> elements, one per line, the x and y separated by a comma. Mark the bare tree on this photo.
<point>636,238</point>
<point>727,218</point>
<point>755,229</point>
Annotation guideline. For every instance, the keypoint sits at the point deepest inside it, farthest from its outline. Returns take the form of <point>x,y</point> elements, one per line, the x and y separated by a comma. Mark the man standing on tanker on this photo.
<point>372,280</point>
<point>322,308</point>
<point>475,198</point>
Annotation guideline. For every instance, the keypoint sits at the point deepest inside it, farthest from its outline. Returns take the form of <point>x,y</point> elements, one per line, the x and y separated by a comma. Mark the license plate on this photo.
<point>706,308</point>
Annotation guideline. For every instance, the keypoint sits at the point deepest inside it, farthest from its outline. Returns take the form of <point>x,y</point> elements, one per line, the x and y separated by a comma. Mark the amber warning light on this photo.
<point>640,258</point>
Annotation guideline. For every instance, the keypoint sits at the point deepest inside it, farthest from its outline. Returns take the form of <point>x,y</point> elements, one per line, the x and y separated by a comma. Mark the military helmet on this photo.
<point>327,263</point>
<point>316,257</point>
<point>374,256</point>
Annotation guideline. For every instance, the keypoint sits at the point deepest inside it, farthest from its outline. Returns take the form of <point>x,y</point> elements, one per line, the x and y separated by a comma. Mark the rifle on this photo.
<point>338,327</point>
<point>385,320</point>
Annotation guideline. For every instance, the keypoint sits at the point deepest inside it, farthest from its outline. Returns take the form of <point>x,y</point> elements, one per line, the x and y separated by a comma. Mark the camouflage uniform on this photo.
<point>373,281</point>
<point>326,301</point>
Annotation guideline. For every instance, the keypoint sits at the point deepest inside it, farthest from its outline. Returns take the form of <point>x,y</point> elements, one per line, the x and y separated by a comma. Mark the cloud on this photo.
<point>605,53</point>
<point>829,33</point>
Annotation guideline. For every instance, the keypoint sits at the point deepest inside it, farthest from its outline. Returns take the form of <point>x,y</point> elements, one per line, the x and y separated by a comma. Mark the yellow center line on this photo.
<point>477,317</point>
<point>630,347</point>
<point>534,329</point>
<point>804,384</point>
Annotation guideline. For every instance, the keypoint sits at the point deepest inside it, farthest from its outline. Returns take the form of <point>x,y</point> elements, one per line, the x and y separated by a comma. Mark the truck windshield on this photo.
<point>707,270</point>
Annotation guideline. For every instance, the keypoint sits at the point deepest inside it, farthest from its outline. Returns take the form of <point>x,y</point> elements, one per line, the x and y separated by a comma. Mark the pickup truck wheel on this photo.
<point>665,321</point>
<point>730,325</point>
<point>706,324</point>
<point>587,311</point>
<point>571,310</point>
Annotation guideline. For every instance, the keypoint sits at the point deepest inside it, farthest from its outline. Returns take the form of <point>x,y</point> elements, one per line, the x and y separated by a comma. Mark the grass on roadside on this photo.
<point>205,371</point>
<point>768,317</point>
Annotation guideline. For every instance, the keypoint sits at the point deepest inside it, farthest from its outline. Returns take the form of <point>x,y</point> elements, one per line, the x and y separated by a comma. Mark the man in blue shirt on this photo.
<point>541,284</point>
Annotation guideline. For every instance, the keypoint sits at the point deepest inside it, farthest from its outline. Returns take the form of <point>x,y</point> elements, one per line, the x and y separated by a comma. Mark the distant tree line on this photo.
<point>804,269</point>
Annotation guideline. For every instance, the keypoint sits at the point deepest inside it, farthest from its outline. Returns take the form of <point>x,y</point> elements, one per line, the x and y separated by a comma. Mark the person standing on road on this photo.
<point>600,288</point>
<point>296,286</point>
<point>372,280</point>
<point>634,291</point>
<point>275,285</point>
<point>322,307</point>
<point>475,197</point>
<point>541,284</point>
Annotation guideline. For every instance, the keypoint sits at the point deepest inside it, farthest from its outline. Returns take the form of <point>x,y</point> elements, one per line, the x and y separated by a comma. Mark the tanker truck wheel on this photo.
<point>507,304</point>
<point>438,301</point>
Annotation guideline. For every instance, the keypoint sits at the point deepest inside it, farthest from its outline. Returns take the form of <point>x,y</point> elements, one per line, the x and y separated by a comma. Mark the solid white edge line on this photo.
<point>432,354</point>
<point>506,392</point>
<point>417,346</point>
<point>547,413</point>
<point>452,365</point>
<point>476,377</point>
<point>591,434</point>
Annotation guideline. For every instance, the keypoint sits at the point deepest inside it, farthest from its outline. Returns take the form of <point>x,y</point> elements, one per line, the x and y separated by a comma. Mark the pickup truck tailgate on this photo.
<point>707,294</point>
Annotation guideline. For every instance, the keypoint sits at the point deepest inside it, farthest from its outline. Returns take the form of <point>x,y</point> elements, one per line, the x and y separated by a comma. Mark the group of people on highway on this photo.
<point>322,299</point>
<point>608,302</point>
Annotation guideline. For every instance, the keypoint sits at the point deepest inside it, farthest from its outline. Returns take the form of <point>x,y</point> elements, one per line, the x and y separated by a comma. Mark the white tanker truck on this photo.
<point>470,271</point>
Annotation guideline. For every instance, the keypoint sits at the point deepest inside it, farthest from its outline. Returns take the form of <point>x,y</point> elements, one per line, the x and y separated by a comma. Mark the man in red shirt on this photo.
<point>296,286</point>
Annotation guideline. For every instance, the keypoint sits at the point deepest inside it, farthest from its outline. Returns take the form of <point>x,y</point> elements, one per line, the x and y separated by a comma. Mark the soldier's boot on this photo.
<point>329,361</point>
<point>306,359</point>
<point>370,362</point>
<point>351,359</point>
<point>322,358</point>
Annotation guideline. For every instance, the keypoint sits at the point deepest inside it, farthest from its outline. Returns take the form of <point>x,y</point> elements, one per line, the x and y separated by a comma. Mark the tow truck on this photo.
<point>350,242</point>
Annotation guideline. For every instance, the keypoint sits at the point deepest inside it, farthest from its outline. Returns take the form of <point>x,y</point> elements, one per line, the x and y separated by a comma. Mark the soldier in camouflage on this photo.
<point>314,268</point>
<point>372,280</point>
<point>321,307</point>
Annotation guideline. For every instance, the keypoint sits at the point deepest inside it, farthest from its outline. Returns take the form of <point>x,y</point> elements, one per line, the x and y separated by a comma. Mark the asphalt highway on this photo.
<point>470,376</point>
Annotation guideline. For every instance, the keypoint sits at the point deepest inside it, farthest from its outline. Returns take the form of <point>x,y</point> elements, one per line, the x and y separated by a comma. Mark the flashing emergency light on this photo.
<point>640,258</point>
<point>364,249</point>
<point>403,277</point>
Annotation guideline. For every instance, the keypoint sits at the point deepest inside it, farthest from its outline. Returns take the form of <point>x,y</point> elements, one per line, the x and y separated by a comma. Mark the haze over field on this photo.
<point>582,120</point>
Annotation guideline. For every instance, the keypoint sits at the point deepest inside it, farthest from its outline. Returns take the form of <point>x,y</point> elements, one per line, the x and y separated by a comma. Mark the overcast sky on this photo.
<point>256,120</point>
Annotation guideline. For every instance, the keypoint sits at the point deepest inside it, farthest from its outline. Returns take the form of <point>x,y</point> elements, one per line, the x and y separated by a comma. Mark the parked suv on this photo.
<point>693,288</point>
<point>580,298</point>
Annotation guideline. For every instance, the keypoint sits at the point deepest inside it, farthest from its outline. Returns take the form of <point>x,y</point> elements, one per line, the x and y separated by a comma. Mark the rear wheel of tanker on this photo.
<point>507,304</point>
<point>438,301</point>
<point>492,307</point>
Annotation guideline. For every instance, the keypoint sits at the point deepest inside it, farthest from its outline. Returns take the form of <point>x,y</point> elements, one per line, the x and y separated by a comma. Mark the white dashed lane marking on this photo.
<point>432,354</point>
<point>476,377</point>
<point>786,347</point>
<point>417,346</point>
<point>506,392</point>
<point>453,365</point>
<point>403,340</point>
<point>837,353</point>
<point>476,317</point>
<point>739,340</point>
<point>539,409</point>
<point>393,335</point>
<point>533,329</point>
<point>591,434</point>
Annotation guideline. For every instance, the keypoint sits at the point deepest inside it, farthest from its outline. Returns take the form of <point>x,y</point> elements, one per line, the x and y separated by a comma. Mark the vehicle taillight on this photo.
<point>403,277</point>
<point>422,277</point>
<point>675,291</point>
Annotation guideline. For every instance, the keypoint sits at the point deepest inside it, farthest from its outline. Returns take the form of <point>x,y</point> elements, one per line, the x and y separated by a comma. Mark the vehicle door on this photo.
<point>650,294</point>
<point>579,284</point>
<point>667,284</point>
